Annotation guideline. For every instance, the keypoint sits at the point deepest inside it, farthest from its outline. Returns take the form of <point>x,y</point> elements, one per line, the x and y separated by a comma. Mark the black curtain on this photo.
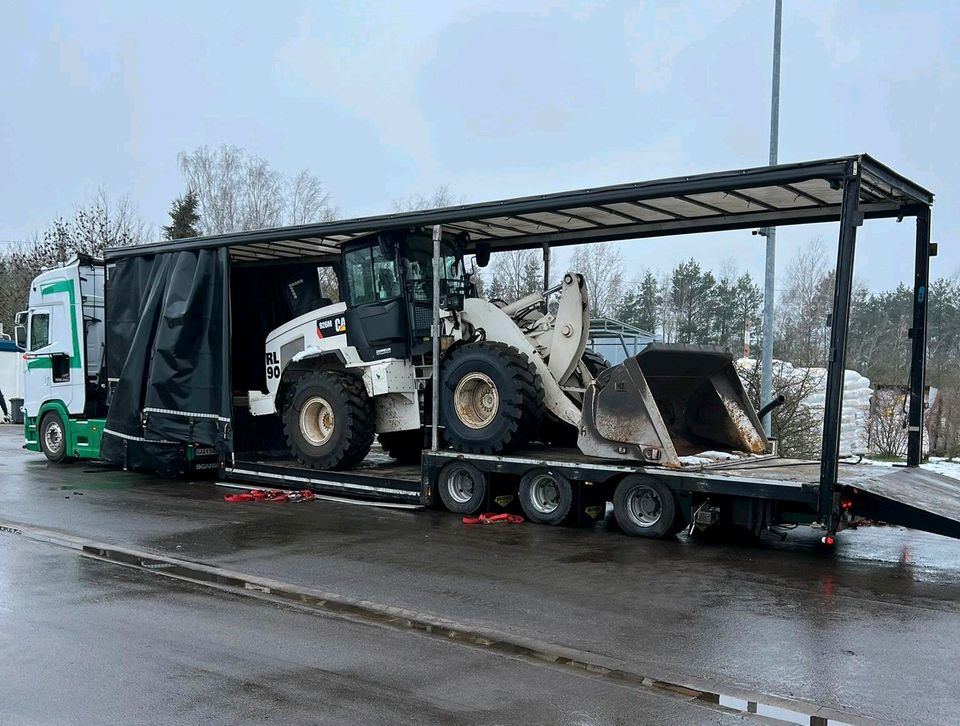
<point>168,351</point>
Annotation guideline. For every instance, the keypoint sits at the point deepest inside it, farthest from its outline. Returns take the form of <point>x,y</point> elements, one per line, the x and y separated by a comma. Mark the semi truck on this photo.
<point>224,352</point>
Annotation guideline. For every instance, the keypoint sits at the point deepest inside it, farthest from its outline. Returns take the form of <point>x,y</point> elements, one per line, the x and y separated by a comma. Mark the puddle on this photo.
<point>96,485</point>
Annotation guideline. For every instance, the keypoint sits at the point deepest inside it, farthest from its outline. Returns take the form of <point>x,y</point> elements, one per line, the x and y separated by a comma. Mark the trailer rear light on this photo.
<point>828,540</point>
<point>846,503</point>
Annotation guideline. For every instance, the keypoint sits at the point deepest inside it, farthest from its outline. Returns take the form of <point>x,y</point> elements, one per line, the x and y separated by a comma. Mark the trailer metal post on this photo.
<point>918,334</point>
<point>546,274</point>
<point>850,218</point>
<point>435,334</point>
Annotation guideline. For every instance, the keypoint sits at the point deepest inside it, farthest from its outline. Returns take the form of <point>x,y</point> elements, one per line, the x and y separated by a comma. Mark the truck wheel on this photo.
<point>463,487</point>
<point>404,446</point>
<point>329,422</point>
<point>492,398</point>
<point>644,507</point>
<point>53,437</point>
<point>546,496</point>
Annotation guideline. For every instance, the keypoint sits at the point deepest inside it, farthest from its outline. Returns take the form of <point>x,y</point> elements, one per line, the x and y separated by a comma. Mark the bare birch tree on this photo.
<point>602,266</point>
<point>439,197</point>
<point>238,191</point>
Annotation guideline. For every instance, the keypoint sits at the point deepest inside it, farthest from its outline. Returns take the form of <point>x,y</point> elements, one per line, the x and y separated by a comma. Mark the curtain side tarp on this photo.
<point>167,340</point>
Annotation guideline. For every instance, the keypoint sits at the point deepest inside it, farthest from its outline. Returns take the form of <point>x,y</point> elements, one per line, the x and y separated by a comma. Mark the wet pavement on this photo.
<point>872,630</point>
<point>88,642</point>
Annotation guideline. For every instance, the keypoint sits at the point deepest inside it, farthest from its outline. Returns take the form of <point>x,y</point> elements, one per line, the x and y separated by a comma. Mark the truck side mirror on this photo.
<point>20,336</point>
<point>482,254</point>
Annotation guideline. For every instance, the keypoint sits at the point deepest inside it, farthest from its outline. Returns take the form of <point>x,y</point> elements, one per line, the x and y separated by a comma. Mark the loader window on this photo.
<point>419,265</point>
<point>371,277</point>
<point>39,331</point>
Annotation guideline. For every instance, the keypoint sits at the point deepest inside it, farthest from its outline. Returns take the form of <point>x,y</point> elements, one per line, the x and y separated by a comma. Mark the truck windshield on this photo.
<point>419,267</point>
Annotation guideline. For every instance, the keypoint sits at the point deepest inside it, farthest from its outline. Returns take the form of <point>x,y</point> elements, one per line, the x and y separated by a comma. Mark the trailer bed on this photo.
<point>908,496</point>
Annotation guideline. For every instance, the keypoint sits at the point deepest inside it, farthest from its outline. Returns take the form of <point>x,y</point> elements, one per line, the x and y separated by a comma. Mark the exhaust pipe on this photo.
<point>775,403</point>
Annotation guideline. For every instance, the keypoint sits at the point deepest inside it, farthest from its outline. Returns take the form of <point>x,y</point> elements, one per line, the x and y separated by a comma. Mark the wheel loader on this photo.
<point>508,374</point>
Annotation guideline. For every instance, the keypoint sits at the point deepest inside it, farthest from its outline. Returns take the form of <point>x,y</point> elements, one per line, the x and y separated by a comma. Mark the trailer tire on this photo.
<point>492,398</point>
<point>644,507</point>
<point>404,446</point>
<point>53,437</point>
<point>546,496</point>
<point>328,420</point>
<point>463,487</point>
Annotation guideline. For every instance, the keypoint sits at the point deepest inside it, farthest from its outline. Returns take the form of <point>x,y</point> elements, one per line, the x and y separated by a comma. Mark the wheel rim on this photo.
<point>545,494</point>
<point>460,486</point>
<point>476,400</point>
<point>317,421</point>
<point>644,505</point>
<point>53,437</point>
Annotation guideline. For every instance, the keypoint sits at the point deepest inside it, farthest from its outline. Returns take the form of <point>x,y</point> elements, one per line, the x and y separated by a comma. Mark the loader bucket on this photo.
<point>667,402</point>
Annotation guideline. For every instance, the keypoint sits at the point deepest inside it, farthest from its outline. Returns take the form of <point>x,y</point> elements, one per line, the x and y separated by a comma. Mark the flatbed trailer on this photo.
<point>232,277</point>
<point>764,493</point>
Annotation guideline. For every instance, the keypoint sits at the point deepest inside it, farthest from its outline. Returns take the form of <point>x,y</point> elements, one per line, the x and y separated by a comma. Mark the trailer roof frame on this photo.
<point>768,196</point>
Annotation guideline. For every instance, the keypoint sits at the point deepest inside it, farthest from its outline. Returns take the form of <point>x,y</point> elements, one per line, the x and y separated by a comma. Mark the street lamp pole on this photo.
<point>769,289</point>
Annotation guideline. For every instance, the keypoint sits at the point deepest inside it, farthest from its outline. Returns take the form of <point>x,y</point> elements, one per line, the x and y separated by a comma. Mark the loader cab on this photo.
<point>387,280</point>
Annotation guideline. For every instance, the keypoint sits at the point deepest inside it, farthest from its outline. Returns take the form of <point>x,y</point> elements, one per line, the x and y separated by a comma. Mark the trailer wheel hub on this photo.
<point>317,421</point>
<point>645,506</point>
<point>476,400</point>
<point>460,486</point>
<point>545,494</point>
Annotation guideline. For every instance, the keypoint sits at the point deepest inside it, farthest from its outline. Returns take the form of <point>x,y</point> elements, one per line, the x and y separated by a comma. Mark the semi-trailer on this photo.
<point>222,352</point>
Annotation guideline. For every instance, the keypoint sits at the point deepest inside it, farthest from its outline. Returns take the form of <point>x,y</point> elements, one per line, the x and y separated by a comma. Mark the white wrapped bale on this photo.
<point>855,407</point>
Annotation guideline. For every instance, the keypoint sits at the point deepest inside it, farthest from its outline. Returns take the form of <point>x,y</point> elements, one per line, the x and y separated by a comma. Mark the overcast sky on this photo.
<point>495,99</point>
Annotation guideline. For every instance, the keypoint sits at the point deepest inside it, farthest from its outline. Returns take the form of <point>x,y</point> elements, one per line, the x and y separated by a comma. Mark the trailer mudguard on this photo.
<point>167,340</point>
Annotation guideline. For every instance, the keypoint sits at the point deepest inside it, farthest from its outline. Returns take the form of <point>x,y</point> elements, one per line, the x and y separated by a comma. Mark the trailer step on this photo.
<point>388,483</point>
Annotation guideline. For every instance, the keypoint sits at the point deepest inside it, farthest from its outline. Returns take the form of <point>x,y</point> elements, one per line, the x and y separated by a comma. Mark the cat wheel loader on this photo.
<point>508,374</point>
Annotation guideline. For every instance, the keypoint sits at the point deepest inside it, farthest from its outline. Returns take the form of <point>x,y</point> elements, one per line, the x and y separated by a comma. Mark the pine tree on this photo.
<point>691,294</point>
<point>184,217</point>
<point>641,305</point>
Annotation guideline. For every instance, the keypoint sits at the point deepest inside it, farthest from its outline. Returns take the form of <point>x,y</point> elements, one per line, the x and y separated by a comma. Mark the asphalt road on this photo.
<point>88,642</point>
<point>872,630</point>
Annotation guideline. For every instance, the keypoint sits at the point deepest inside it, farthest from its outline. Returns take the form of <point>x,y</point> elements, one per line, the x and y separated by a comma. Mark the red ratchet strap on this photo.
<point>270,495</point>
<point>490,518</point>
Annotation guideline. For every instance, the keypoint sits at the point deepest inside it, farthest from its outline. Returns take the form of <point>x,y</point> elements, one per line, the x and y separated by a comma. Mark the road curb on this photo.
<point>762,707</point>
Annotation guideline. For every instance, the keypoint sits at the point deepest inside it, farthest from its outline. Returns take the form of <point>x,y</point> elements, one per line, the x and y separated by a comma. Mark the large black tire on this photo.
<point>53,437</point>
<point>404,446</point>
<point>492,398</point>
<point>594,362</point>
<point>546,496</point>
<point>462,487</point>
<point>555,432</point>
<point>644,507</point>
<point>328,420</point>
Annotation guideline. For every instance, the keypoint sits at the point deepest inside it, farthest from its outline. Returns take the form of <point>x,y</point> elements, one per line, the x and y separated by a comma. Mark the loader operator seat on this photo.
<point>389,286</point>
